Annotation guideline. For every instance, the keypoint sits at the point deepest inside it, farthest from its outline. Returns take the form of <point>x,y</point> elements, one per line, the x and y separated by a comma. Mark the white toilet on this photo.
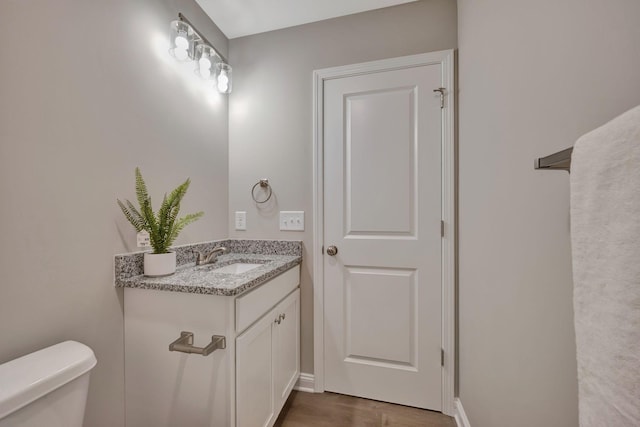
<point>46,388</point>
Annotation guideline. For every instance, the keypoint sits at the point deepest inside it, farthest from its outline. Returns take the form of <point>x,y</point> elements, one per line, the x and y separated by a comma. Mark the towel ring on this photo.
<point>263,183</point>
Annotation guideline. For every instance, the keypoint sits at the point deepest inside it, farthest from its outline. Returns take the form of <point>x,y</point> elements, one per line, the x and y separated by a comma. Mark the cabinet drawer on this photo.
<point>252,306</point>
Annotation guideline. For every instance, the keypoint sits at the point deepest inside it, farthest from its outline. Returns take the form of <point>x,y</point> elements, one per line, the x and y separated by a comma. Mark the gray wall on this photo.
<point>270,120</point>
<point>88,92</point>
<point>534,76</point>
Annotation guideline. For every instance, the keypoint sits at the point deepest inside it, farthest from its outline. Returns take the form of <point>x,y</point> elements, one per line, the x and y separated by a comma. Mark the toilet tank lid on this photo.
<point>30,377</point>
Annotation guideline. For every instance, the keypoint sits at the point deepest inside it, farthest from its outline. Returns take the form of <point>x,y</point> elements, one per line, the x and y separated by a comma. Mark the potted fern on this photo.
<point>163,227</point>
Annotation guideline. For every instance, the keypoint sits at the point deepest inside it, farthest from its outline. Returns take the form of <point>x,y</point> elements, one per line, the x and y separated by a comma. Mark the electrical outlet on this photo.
<point>292,220</point>
<point>241,220</point>
<point>144,241</point>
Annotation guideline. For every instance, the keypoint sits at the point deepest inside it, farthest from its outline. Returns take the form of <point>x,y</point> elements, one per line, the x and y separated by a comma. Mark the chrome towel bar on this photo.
<point>556,161</point>
<point>184,344</point>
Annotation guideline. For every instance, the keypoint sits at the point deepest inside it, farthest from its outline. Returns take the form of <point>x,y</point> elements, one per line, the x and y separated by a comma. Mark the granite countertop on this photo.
<point>275,260</point>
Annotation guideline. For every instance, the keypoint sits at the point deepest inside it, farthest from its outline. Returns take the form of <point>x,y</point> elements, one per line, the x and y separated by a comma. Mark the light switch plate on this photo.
<point>292,220</point>
<point>241,220</point>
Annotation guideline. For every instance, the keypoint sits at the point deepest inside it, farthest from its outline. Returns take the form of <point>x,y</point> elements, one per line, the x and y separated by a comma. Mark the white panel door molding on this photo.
<point>384,186</point>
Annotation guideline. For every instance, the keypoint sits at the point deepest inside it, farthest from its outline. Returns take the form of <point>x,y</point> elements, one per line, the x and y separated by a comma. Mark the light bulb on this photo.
<point>181,41</point>
<point>205,63</point>
<point>223,86</point>
<point>180,53</point>
<point>223,82</point>
<point>205,73</point>
<point>205,67</point>
<point>223,72</point>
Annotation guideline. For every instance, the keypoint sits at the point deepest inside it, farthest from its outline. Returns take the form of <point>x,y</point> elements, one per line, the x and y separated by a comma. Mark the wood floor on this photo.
<point>337,410</point>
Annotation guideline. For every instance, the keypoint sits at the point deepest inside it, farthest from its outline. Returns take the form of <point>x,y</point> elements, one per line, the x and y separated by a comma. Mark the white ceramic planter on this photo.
<point>156,265</point>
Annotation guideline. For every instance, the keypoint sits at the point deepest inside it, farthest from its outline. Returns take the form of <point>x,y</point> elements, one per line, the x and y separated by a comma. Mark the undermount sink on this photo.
<point>236,268</point>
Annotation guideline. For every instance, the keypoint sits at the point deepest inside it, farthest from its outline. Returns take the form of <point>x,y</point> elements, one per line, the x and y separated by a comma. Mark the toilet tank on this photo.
<point>46,388</point>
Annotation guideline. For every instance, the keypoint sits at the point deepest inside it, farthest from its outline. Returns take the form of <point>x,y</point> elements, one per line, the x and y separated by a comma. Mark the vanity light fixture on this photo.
<point>188,44</point>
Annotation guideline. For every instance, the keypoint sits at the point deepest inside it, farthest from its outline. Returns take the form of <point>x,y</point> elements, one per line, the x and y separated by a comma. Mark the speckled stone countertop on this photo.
<point>275,256</point>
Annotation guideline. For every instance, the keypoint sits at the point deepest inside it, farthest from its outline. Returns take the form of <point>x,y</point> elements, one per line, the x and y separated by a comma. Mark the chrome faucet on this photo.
<point>210,257</point>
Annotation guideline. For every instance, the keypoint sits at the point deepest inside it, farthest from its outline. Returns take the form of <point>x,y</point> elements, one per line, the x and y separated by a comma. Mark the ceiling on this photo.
<point>237,18</point>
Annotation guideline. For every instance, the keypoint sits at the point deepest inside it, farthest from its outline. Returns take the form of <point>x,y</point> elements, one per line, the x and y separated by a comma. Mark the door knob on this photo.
<point>332,251</point>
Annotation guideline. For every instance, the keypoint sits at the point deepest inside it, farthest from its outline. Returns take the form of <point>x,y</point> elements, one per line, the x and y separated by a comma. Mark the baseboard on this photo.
<point>306,383</point>
<point>460,416</point>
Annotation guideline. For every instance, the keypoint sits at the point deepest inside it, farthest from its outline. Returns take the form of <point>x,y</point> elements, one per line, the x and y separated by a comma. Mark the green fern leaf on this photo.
<point>137,215</point>
<point>153,229</point>
<point>182,223</point>
<point>163,218</point>
<point>141,188</point>
<point>133,217</point>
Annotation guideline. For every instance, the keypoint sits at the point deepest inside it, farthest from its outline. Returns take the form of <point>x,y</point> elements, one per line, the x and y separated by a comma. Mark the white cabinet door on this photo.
<point>254,375</point>
<point>268,364</point>
<point>167,388</point>
<point>286,348</point>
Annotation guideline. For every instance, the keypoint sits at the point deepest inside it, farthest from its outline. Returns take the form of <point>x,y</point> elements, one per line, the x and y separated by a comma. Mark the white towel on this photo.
<point>605,234</point>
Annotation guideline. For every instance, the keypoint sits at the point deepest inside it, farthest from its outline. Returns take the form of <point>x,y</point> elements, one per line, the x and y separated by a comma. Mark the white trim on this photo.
<point>460,416</point>
<point>318,233</point>
<point>449,239</point>
<point>446,59</point>
<point>305,383</point>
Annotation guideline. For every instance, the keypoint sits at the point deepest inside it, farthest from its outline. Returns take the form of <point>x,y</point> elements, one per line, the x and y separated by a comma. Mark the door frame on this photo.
<point>447,61</point>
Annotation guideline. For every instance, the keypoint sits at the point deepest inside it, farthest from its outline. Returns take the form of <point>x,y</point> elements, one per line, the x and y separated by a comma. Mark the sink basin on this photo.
<point>236,268</point>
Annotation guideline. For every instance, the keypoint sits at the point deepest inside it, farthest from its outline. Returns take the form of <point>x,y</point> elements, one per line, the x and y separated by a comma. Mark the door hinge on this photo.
<point>442,357</point>
<point>441,228</point>
<point>441,90</point>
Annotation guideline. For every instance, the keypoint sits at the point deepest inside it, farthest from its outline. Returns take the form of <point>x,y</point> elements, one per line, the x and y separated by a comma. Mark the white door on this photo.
<point>382,211</point>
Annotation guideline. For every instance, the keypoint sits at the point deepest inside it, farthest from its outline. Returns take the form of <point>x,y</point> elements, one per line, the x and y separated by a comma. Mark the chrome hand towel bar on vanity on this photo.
<point>556,161</point>
<point>184,344</point>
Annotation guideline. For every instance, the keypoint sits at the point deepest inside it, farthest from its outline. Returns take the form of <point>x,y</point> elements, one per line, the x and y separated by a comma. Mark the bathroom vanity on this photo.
<point>251,297</point>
